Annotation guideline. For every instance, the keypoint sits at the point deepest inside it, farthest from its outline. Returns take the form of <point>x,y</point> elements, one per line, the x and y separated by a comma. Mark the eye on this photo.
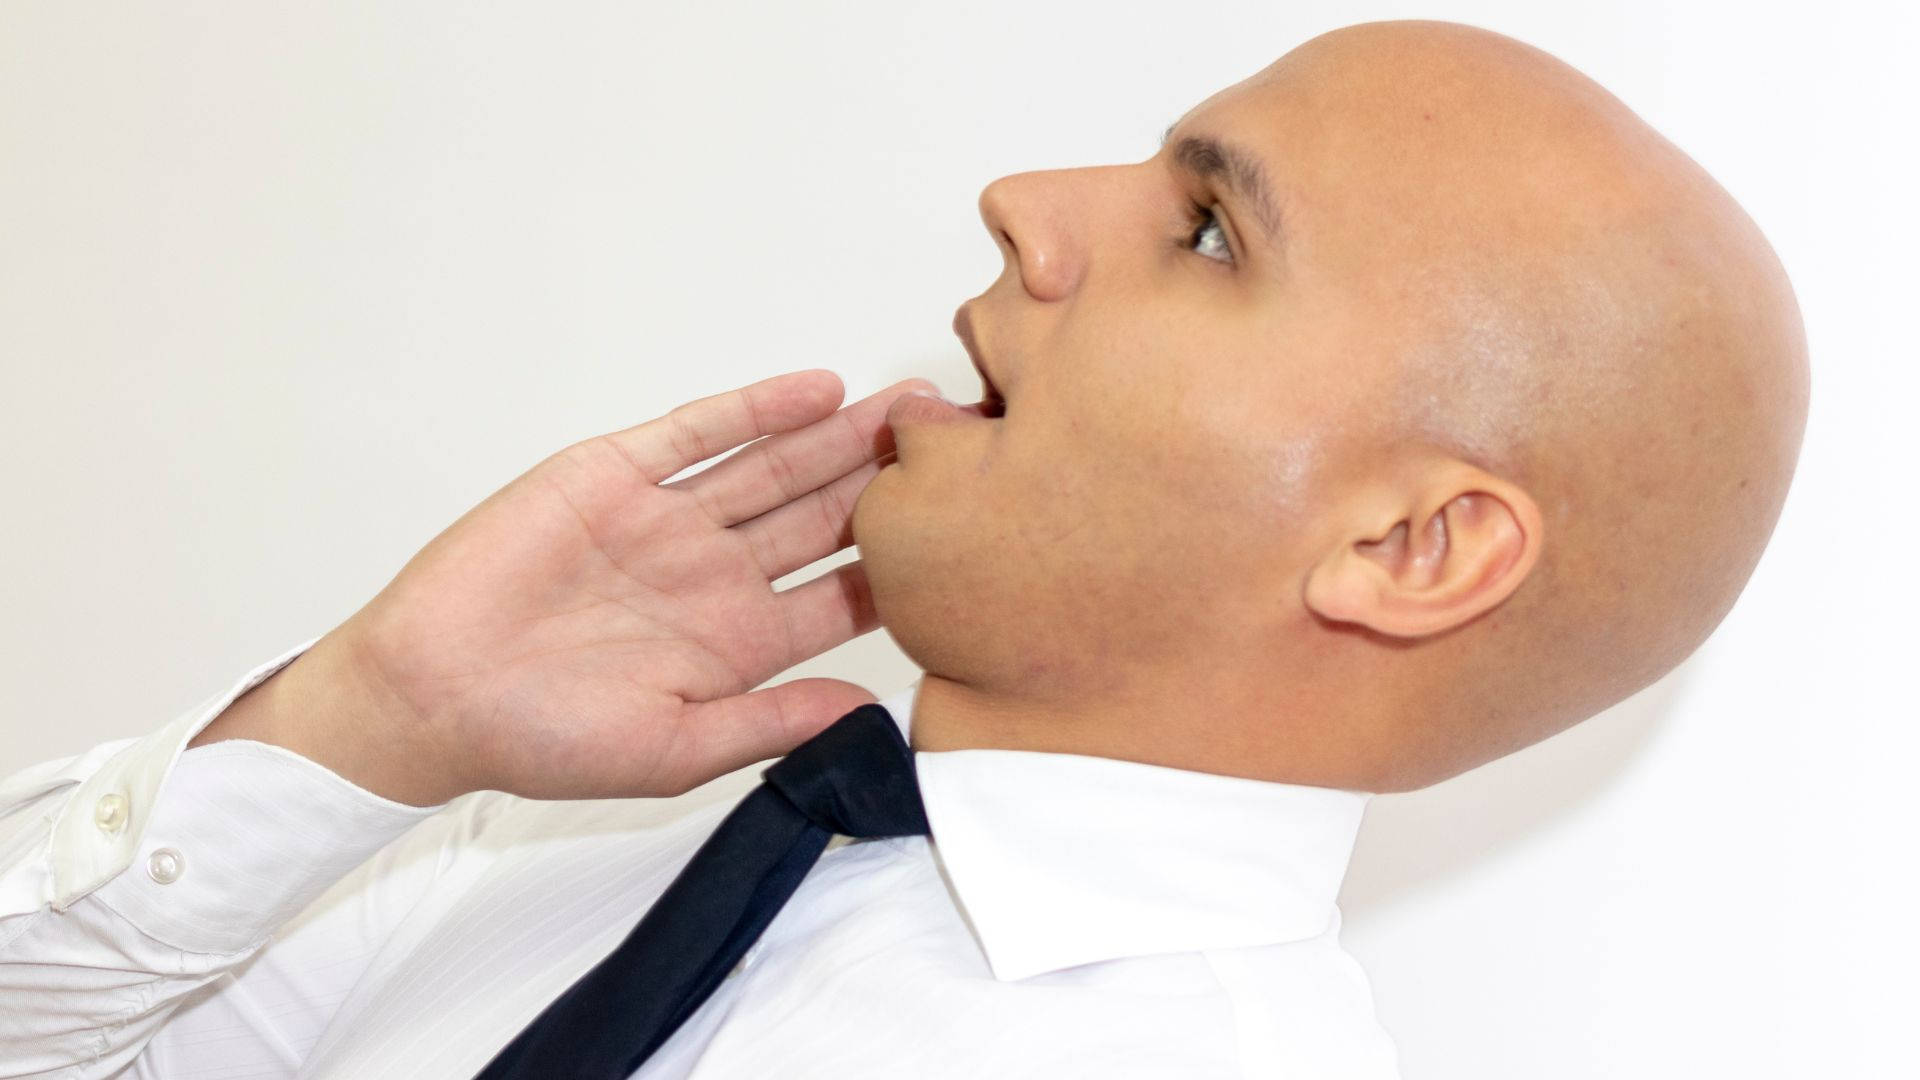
<point>1209,237</point>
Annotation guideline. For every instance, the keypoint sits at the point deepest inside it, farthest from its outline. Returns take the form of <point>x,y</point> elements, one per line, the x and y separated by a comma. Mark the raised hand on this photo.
<point>592,630</point>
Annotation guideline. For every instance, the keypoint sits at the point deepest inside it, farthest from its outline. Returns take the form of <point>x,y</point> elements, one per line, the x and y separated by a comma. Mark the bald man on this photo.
<point>1415,401</point>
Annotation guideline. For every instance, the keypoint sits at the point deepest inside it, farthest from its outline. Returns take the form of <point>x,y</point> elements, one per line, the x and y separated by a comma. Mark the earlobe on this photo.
<point>1442,561</point>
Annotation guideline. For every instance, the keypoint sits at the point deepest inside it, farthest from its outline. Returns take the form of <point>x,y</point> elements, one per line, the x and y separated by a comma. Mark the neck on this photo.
<point>951,715</point>
<point>1189,729</point>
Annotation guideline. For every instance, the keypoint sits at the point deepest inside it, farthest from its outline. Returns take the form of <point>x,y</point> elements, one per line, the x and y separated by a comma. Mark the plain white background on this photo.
<point>286,288</point>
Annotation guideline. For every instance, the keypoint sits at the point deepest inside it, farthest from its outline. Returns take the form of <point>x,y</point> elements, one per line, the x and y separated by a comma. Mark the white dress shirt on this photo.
<point>238,911</point>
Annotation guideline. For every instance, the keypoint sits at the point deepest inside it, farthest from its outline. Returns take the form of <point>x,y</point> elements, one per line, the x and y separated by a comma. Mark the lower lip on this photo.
<point>927,409</point>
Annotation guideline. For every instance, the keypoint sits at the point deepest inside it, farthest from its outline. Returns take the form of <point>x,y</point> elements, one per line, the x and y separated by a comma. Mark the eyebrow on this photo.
<point>1211,159</point>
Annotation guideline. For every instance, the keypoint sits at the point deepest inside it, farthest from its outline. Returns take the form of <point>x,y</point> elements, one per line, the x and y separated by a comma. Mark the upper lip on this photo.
<point>963,329</point>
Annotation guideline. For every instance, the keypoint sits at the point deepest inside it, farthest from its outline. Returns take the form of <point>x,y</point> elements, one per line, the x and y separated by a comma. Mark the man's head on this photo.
<point>1479,427</point>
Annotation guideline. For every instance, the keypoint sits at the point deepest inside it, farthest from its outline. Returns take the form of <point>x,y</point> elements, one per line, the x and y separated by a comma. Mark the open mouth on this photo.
<point>992,405</point>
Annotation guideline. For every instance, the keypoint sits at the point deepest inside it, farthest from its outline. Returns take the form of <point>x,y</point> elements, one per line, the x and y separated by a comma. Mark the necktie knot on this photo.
<point>855,778</point>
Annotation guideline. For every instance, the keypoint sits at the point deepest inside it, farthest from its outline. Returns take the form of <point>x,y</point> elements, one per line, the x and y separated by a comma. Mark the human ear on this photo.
<point>1427,563</point>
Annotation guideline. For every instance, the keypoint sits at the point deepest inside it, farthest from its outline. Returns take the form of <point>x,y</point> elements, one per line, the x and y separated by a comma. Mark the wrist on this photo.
<point>329,711</point>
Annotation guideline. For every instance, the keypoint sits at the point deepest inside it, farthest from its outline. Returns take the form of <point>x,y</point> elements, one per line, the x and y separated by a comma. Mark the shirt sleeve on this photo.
<point>137,872</point>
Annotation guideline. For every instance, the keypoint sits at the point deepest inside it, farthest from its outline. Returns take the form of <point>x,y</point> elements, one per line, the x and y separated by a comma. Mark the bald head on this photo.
<point>1475,427</point>
<point>1588,315</point>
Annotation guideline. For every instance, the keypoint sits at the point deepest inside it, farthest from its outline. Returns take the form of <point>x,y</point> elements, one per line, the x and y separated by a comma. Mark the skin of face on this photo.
<point>1485,434</point>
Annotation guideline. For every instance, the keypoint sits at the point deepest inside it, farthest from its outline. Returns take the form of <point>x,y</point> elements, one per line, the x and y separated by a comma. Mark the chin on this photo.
<point>908,592</point>
<point>886,550</point>
<point>877,504</point>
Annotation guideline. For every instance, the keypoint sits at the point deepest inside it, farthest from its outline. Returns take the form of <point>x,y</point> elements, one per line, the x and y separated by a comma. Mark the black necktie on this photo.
<point>855,778</point>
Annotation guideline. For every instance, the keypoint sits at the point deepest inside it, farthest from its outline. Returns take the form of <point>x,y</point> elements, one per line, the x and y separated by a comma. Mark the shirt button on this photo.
<point>110,813</point>
<point>166,865</point>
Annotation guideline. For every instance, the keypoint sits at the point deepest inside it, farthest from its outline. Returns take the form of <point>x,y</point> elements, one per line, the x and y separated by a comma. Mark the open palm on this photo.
<point>593,631</point>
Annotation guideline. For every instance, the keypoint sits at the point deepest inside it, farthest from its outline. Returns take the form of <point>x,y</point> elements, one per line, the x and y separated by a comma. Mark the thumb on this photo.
<point>730,733</point>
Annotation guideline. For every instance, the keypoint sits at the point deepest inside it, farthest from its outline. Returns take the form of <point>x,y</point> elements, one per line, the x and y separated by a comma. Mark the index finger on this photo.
<point>775,472</point>
<point>709,426</point>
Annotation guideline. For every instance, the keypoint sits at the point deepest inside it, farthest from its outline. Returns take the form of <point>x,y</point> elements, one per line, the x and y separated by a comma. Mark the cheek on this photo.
<point>1169,469</point>
<point>1094,441</point>
<point>1090,491</point>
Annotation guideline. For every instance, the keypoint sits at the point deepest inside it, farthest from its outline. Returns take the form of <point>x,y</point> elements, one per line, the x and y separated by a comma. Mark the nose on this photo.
<point>1030,217</point>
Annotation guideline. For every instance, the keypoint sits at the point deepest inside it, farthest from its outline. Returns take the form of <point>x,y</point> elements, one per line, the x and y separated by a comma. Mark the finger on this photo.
<point>782,469</point>
<point>720,736</point>
<point>827,610</point>
<point>700,429</point>
<point>810,528</point>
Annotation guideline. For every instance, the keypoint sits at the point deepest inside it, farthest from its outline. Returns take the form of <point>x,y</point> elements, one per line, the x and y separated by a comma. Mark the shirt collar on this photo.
<point>1064,859</point>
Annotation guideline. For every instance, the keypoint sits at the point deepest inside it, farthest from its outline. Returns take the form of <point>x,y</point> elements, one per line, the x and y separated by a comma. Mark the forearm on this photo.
<point>137,873</point>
